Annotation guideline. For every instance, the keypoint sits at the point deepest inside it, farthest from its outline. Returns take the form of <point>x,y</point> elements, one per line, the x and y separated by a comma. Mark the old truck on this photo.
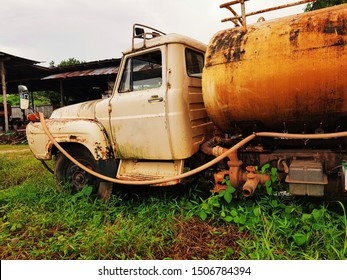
<point>272,93</point>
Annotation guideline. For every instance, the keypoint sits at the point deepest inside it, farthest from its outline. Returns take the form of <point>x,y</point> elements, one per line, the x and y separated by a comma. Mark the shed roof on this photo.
<point>80,72</point>
<point>19,69</point>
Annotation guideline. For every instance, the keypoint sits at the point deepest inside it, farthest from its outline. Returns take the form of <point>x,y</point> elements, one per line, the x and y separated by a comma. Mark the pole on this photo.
<point>3,82</point>
<point>62,103</point>
<point>32,102</point>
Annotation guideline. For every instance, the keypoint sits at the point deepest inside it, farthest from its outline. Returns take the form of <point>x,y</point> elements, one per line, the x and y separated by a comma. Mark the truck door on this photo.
<point>138,108</point>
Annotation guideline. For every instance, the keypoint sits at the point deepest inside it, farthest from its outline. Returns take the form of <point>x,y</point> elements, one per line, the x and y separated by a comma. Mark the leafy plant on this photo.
<point>218,201</point>
<point>37,222</point>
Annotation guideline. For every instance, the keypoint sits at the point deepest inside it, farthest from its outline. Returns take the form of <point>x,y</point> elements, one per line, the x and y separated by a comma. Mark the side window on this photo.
<point>194,63</point>
<point>142,72</point>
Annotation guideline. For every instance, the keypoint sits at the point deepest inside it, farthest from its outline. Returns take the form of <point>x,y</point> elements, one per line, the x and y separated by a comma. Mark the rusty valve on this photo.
<point>251,182</point>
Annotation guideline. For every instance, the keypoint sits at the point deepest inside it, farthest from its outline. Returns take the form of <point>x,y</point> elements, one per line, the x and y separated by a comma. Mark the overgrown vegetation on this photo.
<point>283,228</point>
<point>37,222</point>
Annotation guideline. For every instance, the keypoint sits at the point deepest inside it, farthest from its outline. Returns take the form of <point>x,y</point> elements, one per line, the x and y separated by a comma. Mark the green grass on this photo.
<point>16,165</point>
<point>37,222</point>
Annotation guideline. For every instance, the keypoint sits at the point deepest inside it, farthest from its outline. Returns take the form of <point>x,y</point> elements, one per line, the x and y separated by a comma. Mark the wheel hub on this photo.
<point>78,177</point>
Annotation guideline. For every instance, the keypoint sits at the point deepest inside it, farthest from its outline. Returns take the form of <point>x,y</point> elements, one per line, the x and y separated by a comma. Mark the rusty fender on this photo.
<point>86,132</point>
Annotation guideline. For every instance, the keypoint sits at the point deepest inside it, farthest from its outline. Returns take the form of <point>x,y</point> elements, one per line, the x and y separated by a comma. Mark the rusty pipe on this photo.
<point>234,163</point>
<point>207,147</point>
<point>252,180</point>
<point>250,185</point>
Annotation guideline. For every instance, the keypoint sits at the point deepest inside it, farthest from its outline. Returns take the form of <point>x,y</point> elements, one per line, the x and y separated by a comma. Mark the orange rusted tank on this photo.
<point>283,74</point>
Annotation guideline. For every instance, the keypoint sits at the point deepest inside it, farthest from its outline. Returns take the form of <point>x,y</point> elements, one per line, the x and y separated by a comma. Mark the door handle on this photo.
<point>155,99</point>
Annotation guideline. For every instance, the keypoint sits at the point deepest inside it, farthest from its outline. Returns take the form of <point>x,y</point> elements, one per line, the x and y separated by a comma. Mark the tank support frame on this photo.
<point>241,19</point>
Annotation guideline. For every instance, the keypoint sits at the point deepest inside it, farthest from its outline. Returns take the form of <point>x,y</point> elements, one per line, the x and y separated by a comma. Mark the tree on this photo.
<point>12,99</point>
<point>319,4</point>
<point>70,61</point>
<point>40,98</point>
<point>66,62</point>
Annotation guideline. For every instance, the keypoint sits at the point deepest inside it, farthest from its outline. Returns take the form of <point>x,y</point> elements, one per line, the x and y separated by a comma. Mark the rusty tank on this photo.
<point>288,74</point>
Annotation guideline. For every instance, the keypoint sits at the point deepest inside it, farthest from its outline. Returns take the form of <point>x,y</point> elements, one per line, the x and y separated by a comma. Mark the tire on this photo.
<point>69,176</point>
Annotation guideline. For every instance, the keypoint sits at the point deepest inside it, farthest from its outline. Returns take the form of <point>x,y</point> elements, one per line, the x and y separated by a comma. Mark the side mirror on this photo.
<point>23,97</point>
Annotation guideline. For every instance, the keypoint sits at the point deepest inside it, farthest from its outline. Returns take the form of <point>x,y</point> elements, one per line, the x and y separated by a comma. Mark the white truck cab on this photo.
<point>154,120</point>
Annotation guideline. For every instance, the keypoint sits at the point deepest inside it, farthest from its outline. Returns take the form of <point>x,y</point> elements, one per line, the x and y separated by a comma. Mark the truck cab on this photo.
<point>154,120</point>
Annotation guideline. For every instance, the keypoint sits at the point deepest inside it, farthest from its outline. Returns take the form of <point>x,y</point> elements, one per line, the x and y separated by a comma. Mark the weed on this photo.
<point>37,222</point>
<point>281,228</point>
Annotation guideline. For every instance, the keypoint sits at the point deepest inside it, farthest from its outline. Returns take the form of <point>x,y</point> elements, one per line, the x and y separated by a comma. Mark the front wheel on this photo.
<point>68,175</point>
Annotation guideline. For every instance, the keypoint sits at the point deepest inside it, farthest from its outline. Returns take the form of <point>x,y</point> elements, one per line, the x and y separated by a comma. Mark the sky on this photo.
<point>89,30</point>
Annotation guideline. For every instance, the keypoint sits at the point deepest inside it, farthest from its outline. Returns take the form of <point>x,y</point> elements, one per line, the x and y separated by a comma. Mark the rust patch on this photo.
<point>99,153</point>
<point>293,37</point>
<point>339,43</point>
<point>332,27</point>
<point>230,43</point>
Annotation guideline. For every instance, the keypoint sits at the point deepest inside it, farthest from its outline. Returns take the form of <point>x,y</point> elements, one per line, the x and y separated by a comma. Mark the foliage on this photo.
<point>319,4</point>
<point>40,98</point>
<point>11,99</point>
<point>47,98</point>
<point>281,227</point>
<point>66,62</point>
<point>38,222</point>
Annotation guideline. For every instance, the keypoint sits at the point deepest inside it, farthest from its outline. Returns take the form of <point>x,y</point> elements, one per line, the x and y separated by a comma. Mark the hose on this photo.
<point>196,170</point>
<point>146,182</point>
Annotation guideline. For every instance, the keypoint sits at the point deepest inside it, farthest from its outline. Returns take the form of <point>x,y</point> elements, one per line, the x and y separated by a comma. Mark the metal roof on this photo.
<point>19,69</point>
<point>85,81</point>
<point>112,70</point>
<point>16,59</point>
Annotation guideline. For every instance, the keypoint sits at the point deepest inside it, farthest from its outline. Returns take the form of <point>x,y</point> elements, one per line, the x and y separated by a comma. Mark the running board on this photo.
<point>142,170</point>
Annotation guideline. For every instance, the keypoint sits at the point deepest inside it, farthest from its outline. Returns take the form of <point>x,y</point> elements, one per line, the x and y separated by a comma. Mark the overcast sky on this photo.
<point>88,30</point>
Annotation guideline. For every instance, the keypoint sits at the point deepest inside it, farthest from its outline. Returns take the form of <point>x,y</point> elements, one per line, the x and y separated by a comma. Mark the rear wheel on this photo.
<point>69,176</point>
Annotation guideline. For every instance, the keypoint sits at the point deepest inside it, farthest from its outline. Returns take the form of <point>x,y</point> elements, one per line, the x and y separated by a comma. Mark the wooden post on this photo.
<point>61,94</point>
<point>3,82</point>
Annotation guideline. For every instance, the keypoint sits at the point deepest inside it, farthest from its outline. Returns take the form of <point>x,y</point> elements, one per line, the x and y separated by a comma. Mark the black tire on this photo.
<point>71,177</point>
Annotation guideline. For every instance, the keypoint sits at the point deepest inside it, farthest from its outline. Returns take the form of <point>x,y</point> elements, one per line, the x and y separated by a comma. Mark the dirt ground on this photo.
<point>196,239</point>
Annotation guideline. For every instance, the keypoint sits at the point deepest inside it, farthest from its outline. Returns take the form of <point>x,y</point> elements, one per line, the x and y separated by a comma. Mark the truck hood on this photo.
<point>85,110</point>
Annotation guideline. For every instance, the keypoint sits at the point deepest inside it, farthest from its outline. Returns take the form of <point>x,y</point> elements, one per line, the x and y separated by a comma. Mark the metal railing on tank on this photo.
<point>240,20</point>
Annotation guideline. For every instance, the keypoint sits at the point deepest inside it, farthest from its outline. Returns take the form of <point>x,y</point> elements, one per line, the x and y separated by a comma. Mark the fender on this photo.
<point>87,132</point>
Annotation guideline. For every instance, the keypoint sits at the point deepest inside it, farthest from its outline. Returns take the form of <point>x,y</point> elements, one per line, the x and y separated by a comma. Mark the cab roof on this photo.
<point>172,38</point>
